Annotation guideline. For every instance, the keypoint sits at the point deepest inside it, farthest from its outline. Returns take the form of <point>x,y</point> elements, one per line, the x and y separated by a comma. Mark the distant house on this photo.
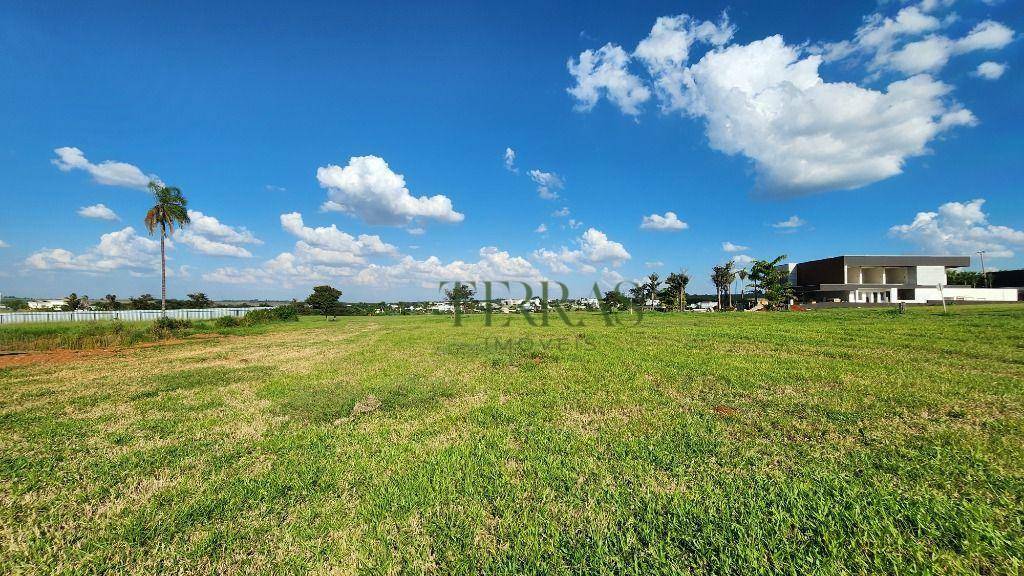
<point>534,303</point>
<point>883,279</point>
<point>510,305</point>
<point>45,304</point>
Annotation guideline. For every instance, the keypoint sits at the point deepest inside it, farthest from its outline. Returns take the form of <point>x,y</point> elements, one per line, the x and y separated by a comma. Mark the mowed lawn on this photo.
<point>845,441</point>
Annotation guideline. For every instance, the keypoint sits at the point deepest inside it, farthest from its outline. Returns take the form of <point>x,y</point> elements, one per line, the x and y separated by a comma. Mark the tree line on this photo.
<point>768,281</point>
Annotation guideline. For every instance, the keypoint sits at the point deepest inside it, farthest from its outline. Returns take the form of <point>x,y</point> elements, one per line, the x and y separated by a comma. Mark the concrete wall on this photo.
<point>931,275</point>
<point>967,294</point>
<point>124,315</point>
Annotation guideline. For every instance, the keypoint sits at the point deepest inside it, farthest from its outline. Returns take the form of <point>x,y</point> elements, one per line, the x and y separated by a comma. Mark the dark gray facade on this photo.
<point>841,277</point>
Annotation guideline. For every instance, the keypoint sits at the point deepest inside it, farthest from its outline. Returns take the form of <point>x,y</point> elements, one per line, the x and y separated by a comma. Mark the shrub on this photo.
<point>165,327</point>
<point>227,322</point>
<point>254,317</point>
<point>288,312</point>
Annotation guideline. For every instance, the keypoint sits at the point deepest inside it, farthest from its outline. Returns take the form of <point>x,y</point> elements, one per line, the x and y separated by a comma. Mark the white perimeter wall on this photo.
<point>970,294</point>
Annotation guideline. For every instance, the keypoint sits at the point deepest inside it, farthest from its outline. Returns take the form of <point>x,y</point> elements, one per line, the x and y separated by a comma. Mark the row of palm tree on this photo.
<point>171,211</point>
<point>764,274</point>
<point>673,295</point>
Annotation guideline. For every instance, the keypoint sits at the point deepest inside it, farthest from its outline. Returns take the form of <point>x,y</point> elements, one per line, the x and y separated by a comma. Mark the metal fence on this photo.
<point>125,315</point>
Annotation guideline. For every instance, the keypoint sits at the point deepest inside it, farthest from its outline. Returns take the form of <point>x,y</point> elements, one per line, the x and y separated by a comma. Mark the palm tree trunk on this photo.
<point>163,274</point>
<point>718,291</point>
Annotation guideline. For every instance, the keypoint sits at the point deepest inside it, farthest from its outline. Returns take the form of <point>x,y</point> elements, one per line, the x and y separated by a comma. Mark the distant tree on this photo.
<point>199,300</point>
<point>73,302</point>
<point>459,296</point>
<point>169,210</point>
<point>651,288</point>
<point>109,302</point>
<point>325,300</point>
<point>144,302</point>
<point>15,303</point>
<point>614,300</point>
<point>773,280</point>
<point>965,278</point>
<point>760,270</point>
<point>676,289</point>
<point>637,295</point>
<point>722,277</point>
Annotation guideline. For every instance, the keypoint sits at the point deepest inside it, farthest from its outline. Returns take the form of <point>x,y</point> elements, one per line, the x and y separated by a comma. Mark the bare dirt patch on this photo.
<point>9,359</point>
<point>61,356</point>
<point>723,410</point>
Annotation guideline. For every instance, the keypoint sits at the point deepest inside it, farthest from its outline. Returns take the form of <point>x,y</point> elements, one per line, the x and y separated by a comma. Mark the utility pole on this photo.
<point>984,276</point>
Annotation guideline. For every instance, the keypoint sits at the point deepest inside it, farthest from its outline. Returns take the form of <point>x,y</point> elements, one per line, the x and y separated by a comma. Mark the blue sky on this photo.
<point>811,130</point>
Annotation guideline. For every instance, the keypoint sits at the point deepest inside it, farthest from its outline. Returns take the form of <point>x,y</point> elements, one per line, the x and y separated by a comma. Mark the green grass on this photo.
<point>102,334</point>
<point>834,442</point>
<point>73,335</point>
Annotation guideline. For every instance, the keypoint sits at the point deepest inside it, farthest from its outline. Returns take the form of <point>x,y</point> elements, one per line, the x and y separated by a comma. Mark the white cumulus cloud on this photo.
<point>791,223</point>
<point>98,211</point>
<point>593,248</point>
<point>730,247</point>
<point>493,264</point>
<point>990,70</point>
<point>329,245</point>
<point>368,189</point>
<point>548,184</point>
<point>766,100</point>
<point>207,235</point>
<point>960,228</point>
<point>108,172</point>
<point>320,254</point>
<point>667,222</point>
<point>123,249</point>
<point>605,71</point>
<point>932,53</point>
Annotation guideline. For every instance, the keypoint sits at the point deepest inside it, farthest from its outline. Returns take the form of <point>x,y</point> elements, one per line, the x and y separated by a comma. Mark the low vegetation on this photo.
<point>838,441</point>
<point>115,333</point>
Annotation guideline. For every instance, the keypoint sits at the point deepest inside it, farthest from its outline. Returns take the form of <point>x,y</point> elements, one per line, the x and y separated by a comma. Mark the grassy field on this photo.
<point>843,441</point>
<point>107,334</point>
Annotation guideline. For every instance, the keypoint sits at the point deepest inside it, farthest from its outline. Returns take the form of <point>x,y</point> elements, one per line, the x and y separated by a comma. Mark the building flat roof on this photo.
<point>905,260</point>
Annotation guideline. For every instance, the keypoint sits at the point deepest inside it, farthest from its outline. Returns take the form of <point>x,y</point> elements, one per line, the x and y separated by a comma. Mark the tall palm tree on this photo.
<point>742,275</point>
<point>170,210</point>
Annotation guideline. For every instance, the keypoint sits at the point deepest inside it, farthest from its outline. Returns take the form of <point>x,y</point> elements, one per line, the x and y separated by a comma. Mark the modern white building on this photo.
<point>881,279</point>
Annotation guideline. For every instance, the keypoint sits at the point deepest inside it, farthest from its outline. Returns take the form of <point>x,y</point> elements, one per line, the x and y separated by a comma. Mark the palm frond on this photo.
<point>169,211</point>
